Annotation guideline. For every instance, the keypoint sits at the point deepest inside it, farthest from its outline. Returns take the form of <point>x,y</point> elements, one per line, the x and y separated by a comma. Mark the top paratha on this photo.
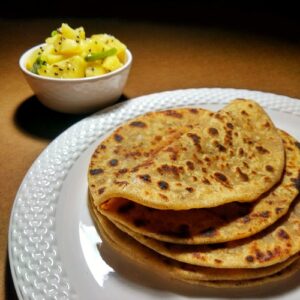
<point>198,159</point>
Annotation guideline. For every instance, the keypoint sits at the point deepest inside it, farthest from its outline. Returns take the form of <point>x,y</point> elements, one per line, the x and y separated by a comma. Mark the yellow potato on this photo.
<point>69,54</point>
<point>73,67</point>
<point>94,70</point>
<point>112,63</point>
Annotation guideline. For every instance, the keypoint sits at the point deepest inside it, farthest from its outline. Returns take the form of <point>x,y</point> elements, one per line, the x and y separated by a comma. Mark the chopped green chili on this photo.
<point>37,64</point>
<point>54,32</point>
<point>100,55</point>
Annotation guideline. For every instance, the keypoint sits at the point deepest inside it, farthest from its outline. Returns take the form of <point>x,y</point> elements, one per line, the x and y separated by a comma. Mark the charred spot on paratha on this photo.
<point>121,183</point>
<point>207,159</point>
<point>220,147</point>
<point>229,125</point>
<point>170,169</point>
<point>208,232</point>
<point>213,131</point>
<point>268,255</point>
<point>123,171</point>
<point>244,113</point>
<point>245,165</point>
<point>196,139</point>
<point>189,189</point>
<point>101,190</point>
<point>279,210</point>
<point>296,182</point>
<point>96,171</point>
<point>249,258</point>
<point>145,177</point>
<point>282,234</point>
<point>163,185</point>
<point>269,168</point>
<point>242,175</point>
<point>241,151</point>
<point>246,219</point>
<point>193,110</point>
<point>265,214</point>
<point>173,113</point>
<point>138,124</point>
<point>173,153</point>
<point>205,181</point>
<point>190,165</point>
<point>204,170</point>
<point>113,162</point>
<point>220,177</point>
<point>164,197</point>
<point>118,138</point>
<point>262,150</point>
<point>133,154</point>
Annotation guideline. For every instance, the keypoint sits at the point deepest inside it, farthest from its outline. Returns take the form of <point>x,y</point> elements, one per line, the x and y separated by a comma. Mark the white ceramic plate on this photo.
<point>54,249</point>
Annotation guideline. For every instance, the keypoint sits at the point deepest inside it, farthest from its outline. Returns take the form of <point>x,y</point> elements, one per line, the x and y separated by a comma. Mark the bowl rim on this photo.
<point>25,55</point>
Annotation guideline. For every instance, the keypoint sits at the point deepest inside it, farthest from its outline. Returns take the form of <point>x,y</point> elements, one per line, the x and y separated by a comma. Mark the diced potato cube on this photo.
<point>111,42</point>
<point>67,31</point>
<point>48,49</point>
<point>54,40</point>
<point>52,58</point>
<point>102,37</point>
<point>94,70</point>
<point>31,60</point>
<point>80,33</point>
<point>112,63</point>
<point>69,47</point>
<point>121,48</point>
<point>97,45</point>
<point>73,67</point>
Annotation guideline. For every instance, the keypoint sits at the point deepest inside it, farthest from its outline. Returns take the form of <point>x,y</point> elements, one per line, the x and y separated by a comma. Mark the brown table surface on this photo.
<point>166,57</point>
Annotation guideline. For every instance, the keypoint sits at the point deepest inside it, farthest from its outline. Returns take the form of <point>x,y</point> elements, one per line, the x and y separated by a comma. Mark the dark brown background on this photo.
<point>175,45</point>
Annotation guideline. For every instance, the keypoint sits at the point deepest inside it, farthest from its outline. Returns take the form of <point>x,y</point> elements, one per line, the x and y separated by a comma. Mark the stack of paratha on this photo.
<point>206,197</point>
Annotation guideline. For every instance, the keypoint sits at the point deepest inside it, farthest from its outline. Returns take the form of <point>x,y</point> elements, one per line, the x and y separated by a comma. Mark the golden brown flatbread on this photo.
<point>181,271</point>
<point>271,246</point>
<point>281,275</point>
<point>189,158</point>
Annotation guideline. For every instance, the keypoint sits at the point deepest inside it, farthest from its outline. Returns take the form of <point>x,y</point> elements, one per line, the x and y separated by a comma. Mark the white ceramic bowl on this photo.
<point>77,95</point>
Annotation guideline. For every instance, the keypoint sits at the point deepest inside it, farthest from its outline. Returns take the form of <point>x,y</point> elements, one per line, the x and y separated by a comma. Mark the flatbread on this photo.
<point>180,271</point>
<point>273,245</point>
<point>198,159</point>
<point>224,223</point>
<point>281,275</point>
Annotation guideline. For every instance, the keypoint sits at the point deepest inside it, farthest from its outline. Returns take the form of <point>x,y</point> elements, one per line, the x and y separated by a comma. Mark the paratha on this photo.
<point>281,275</point>
<point>198,159</point>
<point>181,271</point>
<point>224,223</point>
<point>273,245</point>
